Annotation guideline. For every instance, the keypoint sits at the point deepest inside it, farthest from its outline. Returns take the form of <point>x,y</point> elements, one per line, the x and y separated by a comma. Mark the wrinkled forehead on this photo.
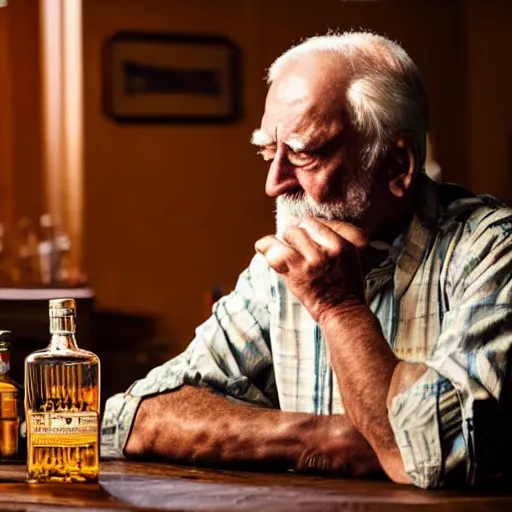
<point>304,105</point>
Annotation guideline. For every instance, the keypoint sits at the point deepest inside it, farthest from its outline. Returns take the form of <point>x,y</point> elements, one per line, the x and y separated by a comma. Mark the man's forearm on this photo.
<point>194,425</point>
<point>364,365</point>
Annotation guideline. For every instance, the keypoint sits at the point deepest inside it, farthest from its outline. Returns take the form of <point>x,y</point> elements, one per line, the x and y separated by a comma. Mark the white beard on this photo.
<point>291,210</point>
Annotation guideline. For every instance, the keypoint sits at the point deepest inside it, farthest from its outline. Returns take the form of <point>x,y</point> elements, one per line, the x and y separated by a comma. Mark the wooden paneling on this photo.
<point>21,181</point>
<point>489,100</point>
<point>7,206</point>
<point>24,72</point>
<point>172,211</point>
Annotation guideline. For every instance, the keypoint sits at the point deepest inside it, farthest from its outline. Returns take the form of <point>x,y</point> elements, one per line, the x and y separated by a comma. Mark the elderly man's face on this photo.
<point>310,147</point>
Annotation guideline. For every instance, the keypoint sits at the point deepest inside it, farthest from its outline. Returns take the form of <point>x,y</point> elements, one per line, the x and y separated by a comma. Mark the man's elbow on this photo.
<point>141,437</point>
<point>393,466</point>
<point>424,477</point>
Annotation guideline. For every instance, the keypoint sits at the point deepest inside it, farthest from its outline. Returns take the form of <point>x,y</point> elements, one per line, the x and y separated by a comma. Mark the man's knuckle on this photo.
<point>337,246</point>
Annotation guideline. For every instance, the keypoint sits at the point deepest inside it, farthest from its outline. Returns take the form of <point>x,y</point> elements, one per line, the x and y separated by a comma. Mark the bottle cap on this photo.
<point>62,304</point>
<point>5,347</point>
<point>5,340</point>
<point>62,316</point>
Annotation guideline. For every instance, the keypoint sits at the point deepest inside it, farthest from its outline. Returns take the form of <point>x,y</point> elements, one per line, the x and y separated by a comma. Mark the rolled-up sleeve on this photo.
<point>230,355</point>
<point>454,424</point>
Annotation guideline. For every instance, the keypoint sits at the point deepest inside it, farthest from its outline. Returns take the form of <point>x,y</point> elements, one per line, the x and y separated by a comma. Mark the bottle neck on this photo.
<point>62,329</point>
<point>63,341</point>
<point>5,362</point>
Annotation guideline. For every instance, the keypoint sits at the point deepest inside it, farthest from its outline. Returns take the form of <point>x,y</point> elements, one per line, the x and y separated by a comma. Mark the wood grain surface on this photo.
<point>151,486</point>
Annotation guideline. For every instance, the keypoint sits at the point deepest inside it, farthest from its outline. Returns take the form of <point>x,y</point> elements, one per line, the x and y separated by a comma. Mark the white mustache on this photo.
<point>292,209</point>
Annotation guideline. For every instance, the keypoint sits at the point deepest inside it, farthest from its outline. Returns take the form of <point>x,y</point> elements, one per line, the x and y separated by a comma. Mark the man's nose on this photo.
<point>281,177</point>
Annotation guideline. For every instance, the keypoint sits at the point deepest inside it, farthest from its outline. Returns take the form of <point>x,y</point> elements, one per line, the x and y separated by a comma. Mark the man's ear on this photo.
<point>403,158</point>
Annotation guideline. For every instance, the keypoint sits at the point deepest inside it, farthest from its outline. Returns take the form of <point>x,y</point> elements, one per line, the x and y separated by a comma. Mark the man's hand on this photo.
<point>319,261</point>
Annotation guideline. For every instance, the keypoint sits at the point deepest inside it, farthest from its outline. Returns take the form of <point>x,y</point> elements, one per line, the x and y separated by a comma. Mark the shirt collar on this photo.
<point>407,250</point>
<point>413,242</point>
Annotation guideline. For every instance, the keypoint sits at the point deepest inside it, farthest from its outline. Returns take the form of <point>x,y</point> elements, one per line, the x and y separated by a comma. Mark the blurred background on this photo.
<point>147,207</point>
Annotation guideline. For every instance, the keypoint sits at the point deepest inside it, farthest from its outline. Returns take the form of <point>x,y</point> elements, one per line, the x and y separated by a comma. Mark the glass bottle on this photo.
<point>63,248</point>
<point>47,250</point>
<point>62,397</point>
<point>27,253</point>
<point>10,405</point>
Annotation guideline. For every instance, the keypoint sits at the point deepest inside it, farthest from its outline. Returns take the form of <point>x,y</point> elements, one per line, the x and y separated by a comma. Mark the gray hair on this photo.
<point>385,94</point>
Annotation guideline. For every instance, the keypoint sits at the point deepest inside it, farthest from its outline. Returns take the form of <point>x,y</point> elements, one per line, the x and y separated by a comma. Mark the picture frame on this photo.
<point>171,78</point>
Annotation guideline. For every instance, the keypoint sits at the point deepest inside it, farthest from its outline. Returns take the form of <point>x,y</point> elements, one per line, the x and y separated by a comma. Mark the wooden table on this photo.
<point>201,489</point>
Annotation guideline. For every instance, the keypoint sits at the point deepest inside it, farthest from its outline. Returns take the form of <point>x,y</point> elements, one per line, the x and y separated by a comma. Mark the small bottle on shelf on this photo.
<point>27,253</point>
<point>62,397</point>
<point>47,250</point>
<point>11,406</point>
<point>63,248</point>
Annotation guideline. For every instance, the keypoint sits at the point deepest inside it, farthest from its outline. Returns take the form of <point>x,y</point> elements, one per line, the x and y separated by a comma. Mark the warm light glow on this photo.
<point>73,123</point>
<point>61,43</point>
<point>51,64</point>
<point>7,210</point>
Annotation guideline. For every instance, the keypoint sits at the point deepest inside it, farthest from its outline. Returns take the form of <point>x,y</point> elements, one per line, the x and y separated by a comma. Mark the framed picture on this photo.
<point>171,78</point>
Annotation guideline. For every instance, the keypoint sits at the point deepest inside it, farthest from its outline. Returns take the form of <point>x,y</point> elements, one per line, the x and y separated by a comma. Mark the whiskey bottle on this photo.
<point>62,385</point>
<point>10,405</point>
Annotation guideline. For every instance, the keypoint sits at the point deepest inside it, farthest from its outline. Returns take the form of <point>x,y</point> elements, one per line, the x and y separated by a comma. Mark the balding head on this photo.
<point>370,76</point>
<point>313,108</point>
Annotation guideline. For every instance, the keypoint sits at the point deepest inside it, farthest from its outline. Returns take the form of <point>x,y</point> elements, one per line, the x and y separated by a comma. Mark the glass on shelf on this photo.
<point>38,256</point>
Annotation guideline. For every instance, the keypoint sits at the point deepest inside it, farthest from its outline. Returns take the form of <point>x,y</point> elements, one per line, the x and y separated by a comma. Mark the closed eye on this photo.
<point>301,158</point>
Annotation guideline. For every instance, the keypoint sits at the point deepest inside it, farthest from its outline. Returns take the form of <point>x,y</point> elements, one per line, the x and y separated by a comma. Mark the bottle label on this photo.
<point>63,429</point>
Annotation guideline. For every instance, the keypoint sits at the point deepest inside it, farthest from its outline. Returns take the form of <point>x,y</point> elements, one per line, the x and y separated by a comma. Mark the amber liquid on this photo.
<point>9,420</point>
<point>62,404</point>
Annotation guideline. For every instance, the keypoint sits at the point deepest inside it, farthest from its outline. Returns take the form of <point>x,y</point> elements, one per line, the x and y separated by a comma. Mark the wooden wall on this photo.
<point>173,210</point>
<point>489,96</point>
<point>20,113</point>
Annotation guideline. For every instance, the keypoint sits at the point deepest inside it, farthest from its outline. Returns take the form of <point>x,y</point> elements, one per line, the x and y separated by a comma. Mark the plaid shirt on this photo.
<point>443,298</point>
